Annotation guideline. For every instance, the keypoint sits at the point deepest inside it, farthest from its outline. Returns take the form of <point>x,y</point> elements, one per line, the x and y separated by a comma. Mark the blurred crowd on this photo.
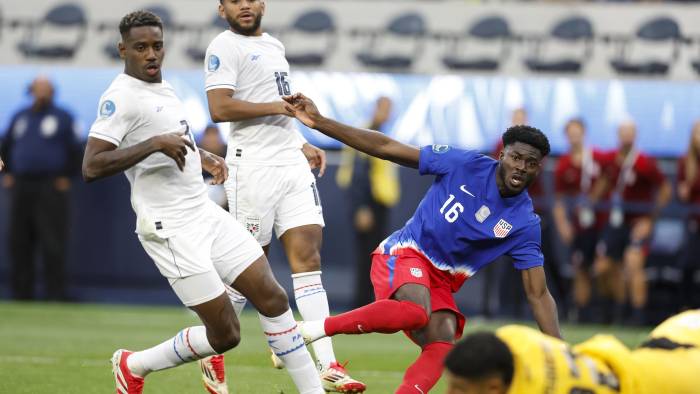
<point>600,214</point>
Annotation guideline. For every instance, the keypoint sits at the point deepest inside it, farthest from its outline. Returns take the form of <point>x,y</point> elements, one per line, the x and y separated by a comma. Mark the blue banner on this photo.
<point>469,112</point>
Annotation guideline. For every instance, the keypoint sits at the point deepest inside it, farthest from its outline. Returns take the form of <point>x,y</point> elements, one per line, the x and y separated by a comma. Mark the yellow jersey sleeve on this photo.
<point>544,364</point>
<point>683,328</point>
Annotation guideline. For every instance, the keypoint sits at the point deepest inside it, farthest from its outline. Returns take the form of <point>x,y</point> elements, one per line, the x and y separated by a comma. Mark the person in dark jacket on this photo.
<point>41,153</point>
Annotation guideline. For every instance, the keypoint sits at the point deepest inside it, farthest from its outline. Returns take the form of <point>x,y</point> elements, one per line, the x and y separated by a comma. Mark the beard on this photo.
<point>246,31</point>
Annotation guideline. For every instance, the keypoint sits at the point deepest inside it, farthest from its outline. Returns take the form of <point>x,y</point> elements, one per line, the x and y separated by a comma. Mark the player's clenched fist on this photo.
<point>174,145</point>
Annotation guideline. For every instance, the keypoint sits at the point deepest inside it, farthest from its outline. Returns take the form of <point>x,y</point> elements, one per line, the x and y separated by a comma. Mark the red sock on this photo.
<point>385,316</point>
<point>422,375</point>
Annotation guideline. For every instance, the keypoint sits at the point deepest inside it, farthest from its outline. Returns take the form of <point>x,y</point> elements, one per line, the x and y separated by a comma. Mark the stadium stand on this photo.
<point>396,46</point>
<point>565,49</point>
<point>483,47</point>
<point>310,39</point>
<point>652,51</point>
<point>59,34</point>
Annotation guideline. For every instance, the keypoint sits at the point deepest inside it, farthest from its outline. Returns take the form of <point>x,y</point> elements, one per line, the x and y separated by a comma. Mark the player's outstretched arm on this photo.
<point>370,142</point>
<point>544,309</point>
<point>224,108</point>
<point>103,159</point>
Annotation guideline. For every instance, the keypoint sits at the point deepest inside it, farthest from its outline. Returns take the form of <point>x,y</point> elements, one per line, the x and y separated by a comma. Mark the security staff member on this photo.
<point>41,152</point>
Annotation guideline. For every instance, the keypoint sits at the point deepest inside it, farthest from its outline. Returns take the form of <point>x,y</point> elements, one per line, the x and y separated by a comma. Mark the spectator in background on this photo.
<point>576,222</point>
<point>635,183</point>
<point>689,193</point>
<point>374,188</point>
<point>211,141</point>
<point>42,153</point>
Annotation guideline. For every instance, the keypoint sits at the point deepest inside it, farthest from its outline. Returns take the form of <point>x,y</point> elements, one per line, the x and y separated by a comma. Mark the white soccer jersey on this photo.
<point>255,68</point>
<point>132,111</point>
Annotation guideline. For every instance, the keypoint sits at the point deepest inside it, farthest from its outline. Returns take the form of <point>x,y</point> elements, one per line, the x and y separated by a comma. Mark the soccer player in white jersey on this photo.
<point>271,186</point>
<point>197,246</point>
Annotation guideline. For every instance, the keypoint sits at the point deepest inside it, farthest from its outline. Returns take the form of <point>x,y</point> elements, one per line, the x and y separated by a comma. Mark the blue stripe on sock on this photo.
<point>175,348</point>
<point>390,264</point>
<point>290,351</point>
<point>315,292</point>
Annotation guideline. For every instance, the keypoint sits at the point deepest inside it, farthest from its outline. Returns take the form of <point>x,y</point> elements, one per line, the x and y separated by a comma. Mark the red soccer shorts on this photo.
<point>389,272</point>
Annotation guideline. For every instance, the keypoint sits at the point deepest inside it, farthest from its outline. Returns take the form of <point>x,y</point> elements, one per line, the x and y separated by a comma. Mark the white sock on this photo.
<point>188,345</point>
<point>285,340</point>
<point>312,304</point>
<point>237,299</point>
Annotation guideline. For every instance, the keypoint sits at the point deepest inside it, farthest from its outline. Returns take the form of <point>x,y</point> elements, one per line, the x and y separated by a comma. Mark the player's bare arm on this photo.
<point>543,307</point>
<point>370,142</point>
<point>103,159</point>
<point>224,108</point>
<point>215,165</point>
<point>1,164</point>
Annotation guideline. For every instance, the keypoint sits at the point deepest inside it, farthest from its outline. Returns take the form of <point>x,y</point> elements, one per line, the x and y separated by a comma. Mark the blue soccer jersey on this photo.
<point>463,223</point>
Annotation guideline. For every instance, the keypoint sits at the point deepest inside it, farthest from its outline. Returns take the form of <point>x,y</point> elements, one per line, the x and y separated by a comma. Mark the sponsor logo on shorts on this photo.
<point>252,224</point>
<point>417,272</point>
<point>502,228</point>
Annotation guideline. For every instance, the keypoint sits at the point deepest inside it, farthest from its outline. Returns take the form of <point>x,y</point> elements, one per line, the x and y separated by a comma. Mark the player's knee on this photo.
<point>308,260</point>
<point>226,340</point>
<point>275,304</point>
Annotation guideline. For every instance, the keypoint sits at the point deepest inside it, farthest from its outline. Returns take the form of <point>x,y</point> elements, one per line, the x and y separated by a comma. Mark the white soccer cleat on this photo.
<point>276,361</point>
<point>335,379</point>
<point>304,330</point>
<point>127,383</point>
<point>214,374</point>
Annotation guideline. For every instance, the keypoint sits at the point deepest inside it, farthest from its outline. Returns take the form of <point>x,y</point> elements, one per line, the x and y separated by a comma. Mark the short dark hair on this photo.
<point>527,135</point>
<point>138,19</point>
<point>578,121</point>
<point>481,355</point>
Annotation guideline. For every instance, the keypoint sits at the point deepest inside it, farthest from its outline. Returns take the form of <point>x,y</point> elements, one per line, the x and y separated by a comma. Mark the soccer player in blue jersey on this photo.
<point>476,210</point>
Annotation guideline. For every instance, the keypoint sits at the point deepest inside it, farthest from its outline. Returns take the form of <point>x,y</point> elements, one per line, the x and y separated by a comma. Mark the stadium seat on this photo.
<point>197,50</point>
<point>651,51</point>
<point>565,49</point>
<point>395,46</point>
<point>482,47</point>
<point>310,39</point>
<point>165,15</point>
<point>59,34</point>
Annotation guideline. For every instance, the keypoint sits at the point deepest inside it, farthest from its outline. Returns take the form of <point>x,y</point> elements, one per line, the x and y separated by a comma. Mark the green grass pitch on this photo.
<point>65,348</point>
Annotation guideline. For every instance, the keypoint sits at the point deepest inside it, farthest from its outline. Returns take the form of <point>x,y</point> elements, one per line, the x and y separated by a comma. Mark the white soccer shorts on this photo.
<point>212,243</point>
<point>263,198</point>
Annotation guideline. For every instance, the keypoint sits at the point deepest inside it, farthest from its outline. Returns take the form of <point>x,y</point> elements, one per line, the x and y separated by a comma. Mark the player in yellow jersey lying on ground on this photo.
<point>519,360</point>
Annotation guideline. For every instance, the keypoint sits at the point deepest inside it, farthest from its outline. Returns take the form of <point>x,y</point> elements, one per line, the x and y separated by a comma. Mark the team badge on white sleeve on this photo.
<point>502,228</point>
<point>107,109</point>
<point>213,63</point>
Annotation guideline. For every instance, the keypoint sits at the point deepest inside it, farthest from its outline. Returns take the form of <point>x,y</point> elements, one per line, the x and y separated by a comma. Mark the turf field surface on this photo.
<point>65,348</point>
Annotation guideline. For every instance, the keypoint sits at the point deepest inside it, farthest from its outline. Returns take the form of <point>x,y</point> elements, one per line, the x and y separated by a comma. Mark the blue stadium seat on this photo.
<point>197,49</point>
<point>59,34</point>
<point>395,46</point>
<point>565,49</point>
<point>316,30</point>
<point>632,57</point>
<point>491,33</point>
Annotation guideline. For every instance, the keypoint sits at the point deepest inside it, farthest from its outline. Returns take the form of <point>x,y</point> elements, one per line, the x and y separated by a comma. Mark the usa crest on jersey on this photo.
<point>502,228</point>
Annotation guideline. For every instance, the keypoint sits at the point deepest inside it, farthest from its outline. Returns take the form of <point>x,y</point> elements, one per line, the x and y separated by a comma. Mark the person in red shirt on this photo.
<point>689,193</point>
<point>576,222</point>
<point>638,192</point>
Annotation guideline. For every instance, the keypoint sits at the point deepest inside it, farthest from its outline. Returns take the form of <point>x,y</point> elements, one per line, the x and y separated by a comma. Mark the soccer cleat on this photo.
<point>335,379</point>
<point>127,383</point>
<point>308,338</point>
<point>276,361</point>
<point>214,374</point>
